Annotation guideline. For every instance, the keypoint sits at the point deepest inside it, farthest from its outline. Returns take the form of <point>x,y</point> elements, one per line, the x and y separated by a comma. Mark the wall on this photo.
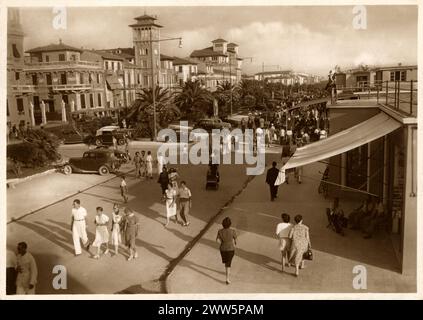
<point>409,257</point>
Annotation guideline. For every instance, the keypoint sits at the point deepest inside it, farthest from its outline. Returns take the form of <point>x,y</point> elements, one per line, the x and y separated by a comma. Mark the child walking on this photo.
<point>124,189</point>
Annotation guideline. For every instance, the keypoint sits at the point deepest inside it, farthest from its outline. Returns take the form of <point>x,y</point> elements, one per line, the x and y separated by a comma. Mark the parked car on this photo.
<point>102,161</point>
<point>104,136</point>
<point>212,123</point>
<point>122,156</point>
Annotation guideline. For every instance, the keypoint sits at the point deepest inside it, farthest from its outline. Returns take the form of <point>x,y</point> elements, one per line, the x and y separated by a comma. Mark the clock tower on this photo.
<point>146,37</point>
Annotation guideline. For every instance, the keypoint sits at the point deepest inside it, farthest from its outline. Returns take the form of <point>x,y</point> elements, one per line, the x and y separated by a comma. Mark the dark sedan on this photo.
<point>101,161</point>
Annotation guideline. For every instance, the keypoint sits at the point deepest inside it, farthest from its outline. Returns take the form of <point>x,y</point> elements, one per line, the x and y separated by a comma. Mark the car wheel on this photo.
<point>67,169</point>
<point>121,142</point>
<point>98,142</point>
<point>104,170</point>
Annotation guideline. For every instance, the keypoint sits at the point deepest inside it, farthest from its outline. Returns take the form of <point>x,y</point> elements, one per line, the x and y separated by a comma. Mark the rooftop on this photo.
<point>232,45</point>
<point>54,47</point>
<point>206,52</point>
<point>179,61</point>
<point>164,57</point>
<point>107,55</point>
<point>274,72</point>
<point>219,40</point>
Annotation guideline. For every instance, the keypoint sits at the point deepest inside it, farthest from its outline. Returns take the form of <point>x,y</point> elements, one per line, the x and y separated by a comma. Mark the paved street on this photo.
<point>256,265</point>
<point>48,235</point>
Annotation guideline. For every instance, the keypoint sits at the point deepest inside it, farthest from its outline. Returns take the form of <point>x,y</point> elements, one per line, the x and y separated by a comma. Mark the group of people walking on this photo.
<point>124,229</point>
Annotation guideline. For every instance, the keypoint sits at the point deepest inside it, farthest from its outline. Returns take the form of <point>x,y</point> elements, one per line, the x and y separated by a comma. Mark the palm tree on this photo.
<point>142,110</point>
<point>194,101</point>
<point>224,93</point>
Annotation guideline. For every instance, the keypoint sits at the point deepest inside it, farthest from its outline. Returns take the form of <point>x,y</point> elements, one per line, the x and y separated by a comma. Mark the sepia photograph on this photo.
<point>210,148</point>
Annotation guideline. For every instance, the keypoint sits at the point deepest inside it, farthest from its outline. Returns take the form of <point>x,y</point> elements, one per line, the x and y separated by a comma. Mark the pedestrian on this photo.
<point>149,165</point>
<point>272,175</point>
<point>170,196</point>
<point>173,177</point>
<point>137,163</point>
<point>15,132</point>
<point>184,203</point>
<point>131,229</point>
<point>272,132</point>
<point>26,269</point>
<point>282,232</point>
<point>227,239</point>
<point>124,189</point>
<point>300,238</point>
<point>163,180</point>
<point>116,221</point>
<point>126,136</point>
<point>142,163</point>
<point>101,233</point>
<point>11,264</point>
<point>79,227</point>
<point>114,142</point>
<point>160,162</point>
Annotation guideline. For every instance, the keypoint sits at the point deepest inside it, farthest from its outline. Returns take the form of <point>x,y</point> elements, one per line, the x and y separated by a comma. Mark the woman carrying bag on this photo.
<point>301,245</point>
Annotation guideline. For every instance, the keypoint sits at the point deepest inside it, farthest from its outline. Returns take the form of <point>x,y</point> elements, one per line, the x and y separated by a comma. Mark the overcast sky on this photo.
<point>305,39</point>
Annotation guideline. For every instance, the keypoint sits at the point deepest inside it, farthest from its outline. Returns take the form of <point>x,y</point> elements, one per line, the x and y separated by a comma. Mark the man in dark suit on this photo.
<point>272,175</point>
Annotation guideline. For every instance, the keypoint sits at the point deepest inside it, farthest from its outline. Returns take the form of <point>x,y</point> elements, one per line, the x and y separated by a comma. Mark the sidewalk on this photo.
<point>256,264</point>
<point>42,191</point>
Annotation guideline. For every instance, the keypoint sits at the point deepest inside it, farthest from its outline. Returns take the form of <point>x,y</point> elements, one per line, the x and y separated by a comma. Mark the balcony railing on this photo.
<point>70,63</point>
<point>399,95</point>
<point>71,87</point>
<point>23,88</point>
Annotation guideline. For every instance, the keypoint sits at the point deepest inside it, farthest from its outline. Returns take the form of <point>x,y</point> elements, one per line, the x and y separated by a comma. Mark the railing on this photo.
<point>65,63</point>
<point>23,88</point>
<point>399,95</point>
<point>65,87</point>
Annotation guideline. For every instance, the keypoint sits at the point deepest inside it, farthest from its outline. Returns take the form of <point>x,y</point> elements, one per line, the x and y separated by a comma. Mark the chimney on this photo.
<point>399,64</point>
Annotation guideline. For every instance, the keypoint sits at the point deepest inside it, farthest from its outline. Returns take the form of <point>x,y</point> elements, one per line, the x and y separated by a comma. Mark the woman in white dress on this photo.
<point>116,220</point>
<point>101,232</point>
<point>149,165</point>
<point>170,195</point>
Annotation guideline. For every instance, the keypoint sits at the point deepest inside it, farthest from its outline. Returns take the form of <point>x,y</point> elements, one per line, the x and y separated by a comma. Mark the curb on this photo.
<point>11,183</point>
<point>65,197</point>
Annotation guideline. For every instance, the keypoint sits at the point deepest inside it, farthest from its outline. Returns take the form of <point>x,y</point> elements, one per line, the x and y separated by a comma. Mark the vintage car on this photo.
<point>212,123</point>
<point>101,160</point>
<point>104,136</point>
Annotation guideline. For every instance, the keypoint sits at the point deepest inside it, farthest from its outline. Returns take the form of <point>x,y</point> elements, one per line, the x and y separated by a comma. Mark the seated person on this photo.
<point>356,215</point>
<point>337,217</point>
<point>377,218</point>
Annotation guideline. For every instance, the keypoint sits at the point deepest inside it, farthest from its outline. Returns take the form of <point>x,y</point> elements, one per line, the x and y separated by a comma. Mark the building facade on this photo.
<point>219,63</point>
<point>19,91</point>
<point>385,168</point>
<point>365,77</point>
<point>287,77</point>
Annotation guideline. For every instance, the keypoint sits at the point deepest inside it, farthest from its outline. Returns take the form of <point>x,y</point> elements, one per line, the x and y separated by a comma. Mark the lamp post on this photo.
<point>153,84</point>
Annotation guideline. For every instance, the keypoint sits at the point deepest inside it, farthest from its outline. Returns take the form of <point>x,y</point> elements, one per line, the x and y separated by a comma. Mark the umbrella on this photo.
<point>31,114</point>
<point>63,111</point>
<point>72,106</point>
<point>43,113</point>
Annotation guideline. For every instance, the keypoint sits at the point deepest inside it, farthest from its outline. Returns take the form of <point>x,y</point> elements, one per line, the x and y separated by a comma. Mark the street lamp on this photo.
<point>153,84</point>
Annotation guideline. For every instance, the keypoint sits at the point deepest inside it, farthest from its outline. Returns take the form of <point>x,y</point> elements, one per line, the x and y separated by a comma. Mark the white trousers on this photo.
<point>22,290</point>
<point>79,232</point>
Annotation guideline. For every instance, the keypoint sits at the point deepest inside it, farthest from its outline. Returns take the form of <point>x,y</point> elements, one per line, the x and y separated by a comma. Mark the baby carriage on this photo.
<point>213,177</point>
